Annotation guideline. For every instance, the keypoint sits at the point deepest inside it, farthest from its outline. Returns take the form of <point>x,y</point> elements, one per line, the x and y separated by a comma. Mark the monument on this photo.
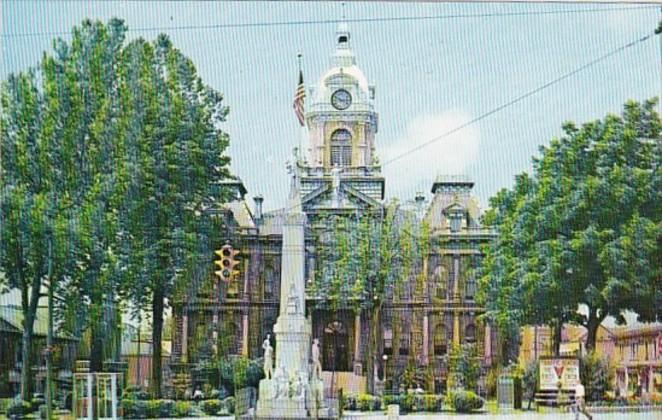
<point>292,390</point>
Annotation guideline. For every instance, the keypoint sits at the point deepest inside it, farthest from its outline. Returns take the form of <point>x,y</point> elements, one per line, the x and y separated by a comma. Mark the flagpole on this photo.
<point>303,127</point>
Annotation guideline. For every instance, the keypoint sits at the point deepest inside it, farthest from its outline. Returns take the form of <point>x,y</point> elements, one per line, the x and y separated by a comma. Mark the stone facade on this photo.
<point>340,175</point>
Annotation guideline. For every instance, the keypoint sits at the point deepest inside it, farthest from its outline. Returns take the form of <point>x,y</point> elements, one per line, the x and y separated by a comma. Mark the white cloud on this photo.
<point>451,154</point>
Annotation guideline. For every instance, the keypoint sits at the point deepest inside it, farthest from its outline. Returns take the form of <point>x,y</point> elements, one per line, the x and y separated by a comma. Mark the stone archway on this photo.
<point>336,347</point>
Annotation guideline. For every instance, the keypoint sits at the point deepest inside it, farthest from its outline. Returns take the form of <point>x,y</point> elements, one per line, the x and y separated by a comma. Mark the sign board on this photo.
<point>563,369</point>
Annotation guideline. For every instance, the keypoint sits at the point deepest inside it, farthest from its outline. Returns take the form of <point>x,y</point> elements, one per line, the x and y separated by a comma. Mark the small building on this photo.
<point>11,332</point>
<point>638,359</point>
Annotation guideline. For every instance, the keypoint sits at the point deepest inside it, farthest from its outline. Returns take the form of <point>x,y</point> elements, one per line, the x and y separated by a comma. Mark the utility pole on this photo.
<point>49,335</point>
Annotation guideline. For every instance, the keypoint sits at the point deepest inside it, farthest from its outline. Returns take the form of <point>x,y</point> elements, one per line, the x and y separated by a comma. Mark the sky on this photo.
<point>431,75</point>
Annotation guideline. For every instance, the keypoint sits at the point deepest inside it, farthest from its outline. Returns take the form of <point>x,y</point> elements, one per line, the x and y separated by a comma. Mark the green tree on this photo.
<point>583,231</point>
<point>177,145</point>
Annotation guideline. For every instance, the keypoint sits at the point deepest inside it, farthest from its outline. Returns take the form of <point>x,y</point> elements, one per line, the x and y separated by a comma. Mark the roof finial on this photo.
<point>343,11</point>
<point>299,55</point>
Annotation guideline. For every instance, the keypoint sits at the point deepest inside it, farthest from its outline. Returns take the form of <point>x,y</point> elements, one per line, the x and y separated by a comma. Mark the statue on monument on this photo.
<point>317,365</point>
<point>282,383</point>
<point>268,358</point>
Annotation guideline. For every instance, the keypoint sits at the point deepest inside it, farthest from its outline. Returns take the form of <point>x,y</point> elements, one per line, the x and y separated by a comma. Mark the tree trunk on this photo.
<point>157,332</point>
<point>592,325</point>
<point>372,348</point>
<point>96,346</point>
<point>558,329</point>
<point>29,307</point>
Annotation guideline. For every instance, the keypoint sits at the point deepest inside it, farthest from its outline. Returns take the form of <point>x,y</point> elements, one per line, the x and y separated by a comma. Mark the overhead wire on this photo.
<point>336,21</point>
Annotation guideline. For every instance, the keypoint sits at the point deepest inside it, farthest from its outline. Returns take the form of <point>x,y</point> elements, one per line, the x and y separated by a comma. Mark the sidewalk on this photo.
<point>652,415</point>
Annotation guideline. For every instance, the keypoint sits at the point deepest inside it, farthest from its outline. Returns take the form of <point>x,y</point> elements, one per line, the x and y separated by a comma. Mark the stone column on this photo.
<point>456,277</point>
<point>488,343</point>
<point>184,338</point>
<point>244,336</point>
<point>426,344</point>
<point>456,327</point>
<point>357,337</point>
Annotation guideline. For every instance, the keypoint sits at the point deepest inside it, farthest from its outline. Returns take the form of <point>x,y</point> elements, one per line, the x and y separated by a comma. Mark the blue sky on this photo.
<point>430,75</point>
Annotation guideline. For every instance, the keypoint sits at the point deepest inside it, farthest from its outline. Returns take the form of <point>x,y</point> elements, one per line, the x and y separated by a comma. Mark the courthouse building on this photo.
<point>340,175</point>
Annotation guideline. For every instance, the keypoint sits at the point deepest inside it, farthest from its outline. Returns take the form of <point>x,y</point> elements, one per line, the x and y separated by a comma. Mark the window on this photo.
<point>404,344</point>
<point>470,334</point>
<point>440,340</point>
<point>471,287</point>
<point>440,278</point>
<point>456,223</point>
<point>269,283</point>
<point>388,341</point>
<point>341,148</point>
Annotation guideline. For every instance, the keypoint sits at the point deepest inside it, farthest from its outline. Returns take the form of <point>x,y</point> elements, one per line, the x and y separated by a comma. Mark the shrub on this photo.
<point>134,409</point>
<point>407,402</point>
<point>211,407</point>
<point>19,408</point>
<point>367,402</point>
<point>135,393</point>
<point>463,401</point>
<point>429,402</point>
<point>159,408</point>
<point>597,375</point>
<point>349,402</point>
<point>229,404</point>
<point>182,409</point>
<point>463,367</point>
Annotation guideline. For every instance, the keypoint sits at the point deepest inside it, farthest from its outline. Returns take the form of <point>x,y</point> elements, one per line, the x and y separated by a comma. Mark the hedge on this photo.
<point>464,401</point>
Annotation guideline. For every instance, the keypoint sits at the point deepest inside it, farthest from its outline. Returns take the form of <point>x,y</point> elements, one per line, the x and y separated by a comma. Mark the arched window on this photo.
<point>470,334</point>
<point>341,148</point>
<point>440,340</point>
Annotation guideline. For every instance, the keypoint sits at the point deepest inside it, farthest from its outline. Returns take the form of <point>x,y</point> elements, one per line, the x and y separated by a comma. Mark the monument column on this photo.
<point>426,343</point>
<point>456,327</point>
<point>357,338</point>
<point>244,335</point>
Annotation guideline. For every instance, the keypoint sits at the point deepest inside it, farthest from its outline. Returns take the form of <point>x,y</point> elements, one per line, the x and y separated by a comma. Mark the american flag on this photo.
<point>299,97</point>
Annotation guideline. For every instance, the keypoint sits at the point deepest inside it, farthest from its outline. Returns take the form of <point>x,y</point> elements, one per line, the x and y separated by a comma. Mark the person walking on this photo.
<point>580,404</point>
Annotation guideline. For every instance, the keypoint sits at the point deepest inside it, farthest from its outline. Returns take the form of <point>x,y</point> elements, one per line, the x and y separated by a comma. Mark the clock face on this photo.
<point>341,99</point>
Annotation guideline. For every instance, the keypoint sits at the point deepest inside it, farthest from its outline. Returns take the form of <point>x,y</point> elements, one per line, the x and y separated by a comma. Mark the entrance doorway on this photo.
<point>336,347</point>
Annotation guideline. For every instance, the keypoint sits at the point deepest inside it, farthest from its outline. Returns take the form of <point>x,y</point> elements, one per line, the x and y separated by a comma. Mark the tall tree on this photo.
<point>176,146</point>
<point>584,231</point>
<point>114,154</point>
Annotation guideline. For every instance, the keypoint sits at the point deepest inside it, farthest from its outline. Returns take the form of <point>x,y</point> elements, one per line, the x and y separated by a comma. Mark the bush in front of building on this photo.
<point>160,408</point>
<point>19,408</point>
<point>415,402</point>
<point>182,409</point>
<point>212,407</point>
<point>134,409</point>
<point>229,404</point>
<point>367,402</point>
<point>464,401</point>
<point>597,376</point>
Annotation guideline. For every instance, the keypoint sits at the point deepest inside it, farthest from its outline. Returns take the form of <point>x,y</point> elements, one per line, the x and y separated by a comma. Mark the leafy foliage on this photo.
<point>584,229</point>
<point>463,367</point>
<point>111,158</point>
<point>464,401</point>
<point>597,375</point>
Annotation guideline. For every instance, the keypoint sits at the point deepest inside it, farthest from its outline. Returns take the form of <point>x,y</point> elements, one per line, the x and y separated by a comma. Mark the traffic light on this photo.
<point>226,263</point>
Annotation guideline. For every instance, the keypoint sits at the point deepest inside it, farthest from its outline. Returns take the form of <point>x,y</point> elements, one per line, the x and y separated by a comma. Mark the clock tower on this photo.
<point>342,172</point>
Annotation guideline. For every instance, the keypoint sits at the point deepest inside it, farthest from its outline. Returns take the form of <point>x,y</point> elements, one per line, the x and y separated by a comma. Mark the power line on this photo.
<point>336,21</point>
<point>520,98</point>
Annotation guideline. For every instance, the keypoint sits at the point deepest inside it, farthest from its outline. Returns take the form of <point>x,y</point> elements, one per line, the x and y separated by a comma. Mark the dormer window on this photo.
<point>341,148</point>
<point>456,223</point>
